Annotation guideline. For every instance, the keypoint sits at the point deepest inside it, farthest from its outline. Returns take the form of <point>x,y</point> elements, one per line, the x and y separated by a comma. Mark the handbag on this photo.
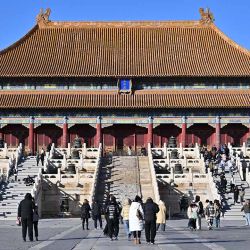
<point>18,222</point>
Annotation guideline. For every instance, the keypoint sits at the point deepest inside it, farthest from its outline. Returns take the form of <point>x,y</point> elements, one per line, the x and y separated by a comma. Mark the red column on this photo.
<point>31,135</point>
<point>65,133</point>
<point>183,131</point>
<point>98,131</point>
<point>217,132</point>
<point>150,130</point>
<point>1,134</point>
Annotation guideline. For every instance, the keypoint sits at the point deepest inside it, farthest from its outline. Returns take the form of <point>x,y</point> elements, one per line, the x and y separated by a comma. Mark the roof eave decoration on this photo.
<point>42,18</point>
<point>207,16</point>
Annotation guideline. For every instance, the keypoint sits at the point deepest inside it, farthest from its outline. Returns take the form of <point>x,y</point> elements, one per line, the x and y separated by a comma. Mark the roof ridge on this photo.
<point>229,40</point>
<point>19,41</point>
<point>125,24</point>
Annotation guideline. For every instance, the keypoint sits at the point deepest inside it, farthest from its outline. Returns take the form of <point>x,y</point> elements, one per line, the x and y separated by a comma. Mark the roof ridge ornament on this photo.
<point>207,16</point>
<point>43,17</point>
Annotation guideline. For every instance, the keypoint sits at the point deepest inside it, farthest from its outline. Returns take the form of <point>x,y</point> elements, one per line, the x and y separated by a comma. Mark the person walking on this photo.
<point>246,209</point>
<point>232,183</point>
<point>37,158</point>
<point>125,216</point>
<point>192,214</point>
<point>85,215</point>
<point>200,211</point>
<point>210,215</point>
<point>217,213</point>
<point>136,219</point>
<point>96,211</point>
<point>150,210</point>
<point>242,195</point>
<point>25,213</point>
<point>113,214</point>
<point>236,194</point>
<point>161,216</point>
<point>42,156</point>
<point>35,221</point>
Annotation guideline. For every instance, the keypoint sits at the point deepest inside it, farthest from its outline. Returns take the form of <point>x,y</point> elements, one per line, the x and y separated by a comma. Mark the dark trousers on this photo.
<point>42,160</point>
<point>137,234</point>
<point>163,226</point>
<point>150,231</point>
<point>27,223</point>
<point>35,225</point>
<point>97,218</point>
<point>113,227</point>
<point>83,223</point>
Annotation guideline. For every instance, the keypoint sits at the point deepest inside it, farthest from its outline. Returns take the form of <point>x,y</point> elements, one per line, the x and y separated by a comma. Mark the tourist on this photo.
<point>107,201</point>
<point>236,194</point>
<point>242,195</point>
<point>37,158</point>
<point>217,212</point>
<point>161,216</point>
<point>28,181</point>
<point>136,219</point>
<point>209,213</point>
<point>129,151</point>
<point>246,209</point>
<point>232,184</point>
<point>200,212</point>
<point>85,209</point>
<point>183,203</point>
<point>42,156</point>
<point>113,214</point>
<point>125,216</point>
<point>35,221</point>
<point>192,214</point>
<point>150,210</point>
<point>96,211</point>
<point>25,214</point>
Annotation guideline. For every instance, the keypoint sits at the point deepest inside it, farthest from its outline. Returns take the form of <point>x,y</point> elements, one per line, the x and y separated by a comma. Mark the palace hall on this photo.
<point>124,84</point>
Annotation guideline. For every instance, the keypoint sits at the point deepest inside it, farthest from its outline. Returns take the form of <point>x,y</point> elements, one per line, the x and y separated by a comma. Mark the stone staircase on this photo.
<point>125,177</point>
<point>104,179</point>
<point>14,191</point>
<point>145,178</point>
<point>233,211</point>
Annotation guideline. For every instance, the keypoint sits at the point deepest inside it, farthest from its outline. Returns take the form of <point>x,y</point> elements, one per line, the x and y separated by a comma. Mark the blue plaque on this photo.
<point>124,85</point>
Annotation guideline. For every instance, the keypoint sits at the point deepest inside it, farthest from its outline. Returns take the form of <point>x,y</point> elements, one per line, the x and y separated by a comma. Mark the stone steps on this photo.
<point>14,192</point>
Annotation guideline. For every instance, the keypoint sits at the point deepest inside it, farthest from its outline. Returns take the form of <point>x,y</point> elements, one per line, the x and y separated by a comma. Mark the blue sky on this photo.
<point>18,16</point>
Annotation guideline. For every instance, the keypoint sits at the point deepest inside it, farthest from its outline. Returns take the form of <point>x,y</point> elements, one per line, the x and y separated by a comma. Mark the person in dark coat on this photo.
<point>37,158</point>
<point>96,211</point>
<point>113,214</point>
<point>42,156</point>
<point>35,221</point>
<point>150,210</point>
<point>236,194</point>
<point>85,215</point>
<point>25,212</point>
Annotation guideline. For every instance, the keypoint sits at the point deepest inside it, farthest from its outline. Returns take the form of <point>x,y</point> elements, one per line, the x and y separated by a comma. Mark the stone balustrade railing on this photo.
<point>183,178</point>
<point>4,151</point>
<point>14,158</point>
<point>36,191</point>
<point>153,174</point>
<point>186,163</point>
<point>68,178</point>
<point>96,173</point>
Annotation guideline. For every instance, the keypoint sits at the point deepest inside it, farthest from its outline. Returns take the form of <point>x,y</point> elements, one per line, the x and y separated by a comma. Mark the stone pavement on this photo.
<point>66,234</point>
